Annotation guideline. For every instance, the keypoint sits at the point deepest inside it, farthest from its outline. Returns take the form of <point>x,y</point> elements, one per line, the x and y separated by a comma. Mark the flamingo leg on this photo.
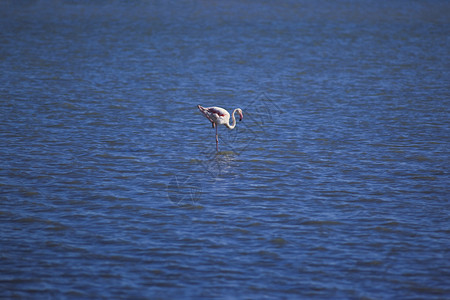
<point>217,140</point>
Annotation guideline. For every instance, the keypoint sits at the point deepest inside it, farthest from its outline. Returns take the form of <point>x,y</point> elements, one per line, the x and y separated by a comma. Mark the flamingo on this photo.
<point>217,116</point>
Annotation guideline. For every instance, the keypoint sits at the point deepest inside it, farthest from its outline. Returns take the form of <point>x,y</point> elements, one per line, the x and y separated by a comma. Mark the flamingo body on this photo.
<point>218,116</point>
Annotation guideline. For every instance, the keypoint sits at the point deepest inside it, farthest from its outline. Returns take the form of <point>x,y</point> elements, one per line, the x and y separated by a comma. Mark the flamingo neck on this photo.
<point>234,121</point>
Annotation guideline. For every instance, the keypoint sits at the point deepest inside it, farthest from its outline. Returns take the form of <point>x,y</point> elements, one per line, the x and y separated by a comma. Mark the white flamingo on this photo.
<point>217,116</point>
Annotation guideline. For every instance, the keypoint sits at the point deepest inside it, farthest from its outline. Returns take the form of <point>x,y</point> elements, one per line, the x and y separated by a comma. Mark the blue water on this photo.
<point>335,185</point>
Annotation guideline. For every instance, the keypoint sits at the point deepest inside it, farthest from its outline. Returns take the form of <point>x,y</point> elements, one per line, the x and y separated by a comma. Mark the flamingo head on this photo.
<point>241,114</point>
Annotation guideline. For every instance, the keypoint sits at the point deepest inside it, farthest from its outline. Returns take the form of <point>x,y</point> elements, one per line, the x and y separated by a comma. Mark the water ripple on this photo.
<point>334,185</point>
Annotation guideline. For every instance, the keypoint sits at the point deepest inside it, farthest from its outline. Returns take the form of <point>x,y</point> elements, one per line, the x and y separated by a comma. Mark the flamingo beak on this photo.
<point>241,116</point>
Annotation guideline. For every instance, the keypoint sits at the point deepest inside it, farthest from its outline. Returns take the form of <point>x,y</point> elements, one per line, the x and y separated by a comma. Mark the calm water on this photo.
<point>335,185</point>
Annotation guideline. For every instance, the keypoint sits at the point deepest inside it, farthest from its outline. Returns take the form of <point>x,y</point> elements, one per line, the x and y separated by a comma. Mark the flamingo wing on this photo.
<point>215,115</point>
<point>219,112</point>
<point>219,115</point>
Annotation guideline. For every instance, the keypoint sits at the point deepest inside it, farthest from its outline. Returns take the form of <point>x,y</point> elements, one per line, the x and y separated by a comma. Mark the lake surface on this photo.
<point>335,185</point>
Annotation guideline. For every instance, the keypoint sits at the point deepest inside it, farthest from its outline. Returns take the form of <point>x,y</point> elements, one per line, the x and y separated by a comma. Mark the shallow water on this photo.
<point>335,184</point>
